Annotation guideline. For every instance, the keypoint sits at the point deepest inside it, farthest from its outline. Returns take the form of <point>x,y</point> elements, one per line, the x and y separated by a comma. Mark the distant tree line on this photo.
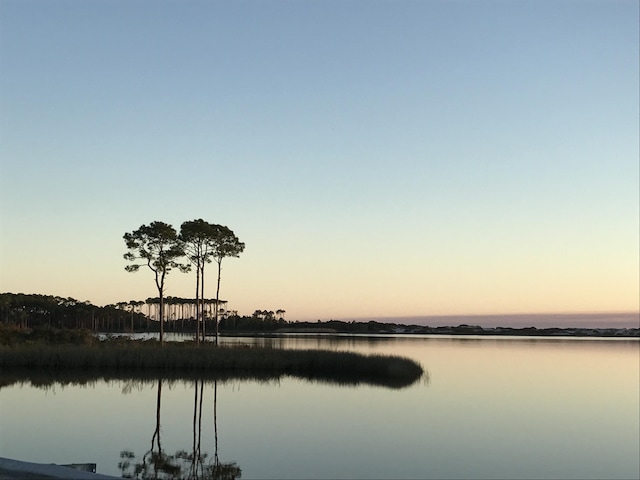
<point>34,310</point>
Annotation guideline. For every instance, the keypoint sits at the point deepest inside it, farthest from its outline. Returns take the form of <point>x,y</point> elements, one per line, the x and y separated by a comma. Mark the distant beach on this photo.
<point>538,320</point>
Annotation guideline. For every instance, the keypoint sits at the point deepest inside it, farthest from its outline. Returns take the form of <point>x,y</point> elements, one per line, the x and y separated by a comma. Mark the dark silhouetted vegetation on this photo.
<point>32,310</point>
<point>158,247</point>
<point>29,311</point>
<point>59,351</point>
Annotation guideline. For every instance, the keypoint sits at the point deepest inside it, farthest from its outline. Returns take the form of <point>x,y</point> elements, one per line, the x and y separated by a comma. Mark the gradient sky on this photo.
<point>378,158</point>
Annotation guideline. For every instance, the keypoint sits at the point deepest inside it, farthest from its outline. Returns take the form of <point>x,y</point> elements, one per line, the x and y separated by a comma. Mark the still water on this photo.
<point>488,408</point>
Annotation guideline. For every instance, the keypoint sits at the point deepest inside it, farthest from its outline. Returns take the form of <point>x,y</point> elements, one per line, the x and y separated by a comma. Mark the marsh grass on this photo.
<point>118,357</point>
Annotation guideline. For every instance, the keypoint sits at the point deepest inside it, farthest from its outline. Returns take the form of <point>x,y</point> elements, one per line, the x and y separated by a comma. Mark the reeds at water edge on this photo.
<point>206,360</point>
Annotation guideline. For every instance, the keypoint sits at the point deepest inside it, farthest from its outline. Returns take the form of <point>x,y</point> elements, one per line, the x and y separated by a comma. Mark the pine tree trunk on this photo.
<point>202,300</point>
<point>217,299</point>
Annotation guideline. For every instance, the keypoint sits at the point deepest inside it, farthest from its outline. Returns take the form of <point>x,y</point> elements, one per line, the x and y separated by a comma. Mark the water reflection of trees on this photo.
<point>89,379</point>
<point>183,464</point>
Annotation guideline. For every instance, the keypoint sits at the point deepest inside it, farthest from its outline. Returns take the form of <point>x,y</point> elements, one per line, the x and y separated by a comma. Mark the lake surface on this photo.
<point>489,407</point>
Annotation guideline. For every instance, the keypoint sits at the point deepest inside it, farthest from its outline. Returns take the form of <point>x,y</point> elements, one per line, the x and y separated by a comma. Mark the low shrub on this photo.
<point>44,335</point>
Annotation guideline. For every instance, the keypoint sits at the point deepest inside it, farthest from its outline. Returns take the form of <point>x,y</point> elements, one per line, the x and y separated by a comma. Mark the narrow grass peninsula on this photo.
<point>57,352</point>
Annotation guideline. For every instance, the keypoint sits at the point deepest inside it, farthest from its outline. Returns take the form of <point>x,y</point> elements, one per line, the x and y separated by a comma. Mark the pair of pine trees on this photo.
<point>161,248</point>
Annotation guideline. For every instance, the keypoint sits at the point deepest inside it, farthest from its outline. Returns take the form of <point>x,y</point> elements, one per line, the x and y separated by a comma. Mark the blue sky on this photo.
<point>378,158</point>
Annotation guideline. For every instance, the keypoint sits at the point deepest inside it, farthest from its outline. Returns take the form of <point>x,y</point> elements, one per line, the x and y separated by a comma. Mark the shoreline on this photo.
<point>460,330</point>
<point>130,358</point>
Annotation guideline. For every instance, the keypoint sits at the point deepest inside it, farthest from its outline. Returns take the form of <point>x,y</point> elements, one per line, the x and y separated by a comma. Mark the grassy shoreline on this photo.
<point>75,353</point>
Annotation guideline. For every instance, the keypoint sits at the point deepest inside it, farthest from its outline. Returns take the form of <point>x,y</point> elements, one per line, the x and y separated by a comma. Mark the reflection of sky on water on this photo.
<point>492,408</point>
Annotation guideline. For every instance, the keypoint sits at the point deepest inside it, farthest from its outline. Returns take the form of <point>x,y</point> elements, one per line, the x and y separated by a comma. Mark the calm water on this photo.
<point>489,408</point>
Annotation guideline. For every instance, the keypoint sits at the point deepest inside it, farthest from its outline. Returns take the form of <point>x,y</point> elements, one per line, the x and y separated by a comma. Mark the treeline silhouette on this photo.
<point>34,310</point>
<point>136,316</point>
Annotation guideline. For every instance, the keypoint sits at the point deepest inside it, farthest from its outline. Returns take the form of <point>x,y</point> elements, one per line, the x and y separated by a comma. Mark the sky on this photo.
<point>378,158</point>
